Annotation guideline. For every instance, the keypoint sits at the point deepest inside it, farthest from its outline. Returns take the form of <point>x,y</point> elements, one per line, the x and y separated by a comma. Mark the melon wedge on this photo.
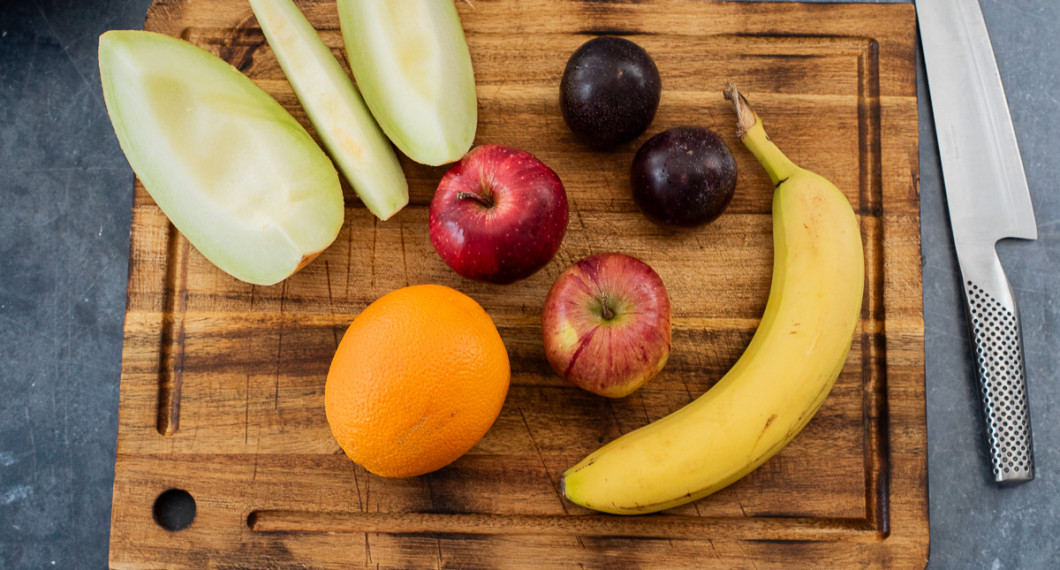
<point>412,65</point>
<point>350,134</point>
<point>230,167</point>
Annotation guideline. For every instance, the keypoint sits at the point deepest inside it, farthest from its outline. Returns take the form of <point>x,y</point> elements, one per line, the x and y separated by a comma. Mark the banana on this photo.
<point>781,379</point>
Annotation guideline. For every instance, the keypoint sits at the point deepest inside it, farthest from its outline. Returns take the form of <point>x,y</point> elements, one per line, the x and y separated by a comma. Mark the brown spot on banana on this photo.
<point>765,428</point>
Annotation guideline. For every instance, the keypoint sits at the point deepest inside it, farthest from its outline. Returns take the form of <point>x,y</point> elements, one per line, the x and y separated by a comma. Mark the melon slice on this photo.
<point>350,134</point>
<point>412,65</point>
<point>231,168</point>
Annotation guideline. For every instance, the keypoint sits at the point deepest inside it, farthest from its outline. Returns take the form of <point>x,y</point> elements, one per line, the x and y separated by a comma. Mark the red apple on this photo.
<point>606,324</point>
<point>498,215</point>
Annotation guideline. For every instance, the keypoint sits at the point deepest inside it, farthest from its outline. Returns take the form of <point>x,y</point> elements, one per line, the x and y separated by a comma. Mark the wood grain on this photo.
<point>222,382</point>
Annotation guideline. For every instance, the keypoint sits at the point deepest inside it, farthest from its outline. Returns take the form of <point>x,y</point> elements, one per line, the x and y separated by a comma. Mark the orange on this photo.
<point>418,379</point>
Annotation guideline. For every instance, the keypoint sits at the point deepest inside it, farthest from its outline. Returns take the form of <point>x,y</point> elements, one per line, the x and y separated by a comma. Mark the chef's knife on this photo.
<point>988,199</point>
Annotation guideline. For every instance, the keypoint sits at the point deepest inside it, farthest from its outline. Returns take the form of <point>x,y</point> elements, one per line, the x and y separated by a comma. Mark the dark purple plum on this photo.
<point>683,177</point>
<point>609,92</point>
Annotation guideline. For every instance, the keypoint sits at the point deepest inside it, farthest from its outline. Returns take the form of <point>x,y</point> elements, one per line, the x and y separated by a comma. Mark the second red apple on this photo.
<point>606,324</point>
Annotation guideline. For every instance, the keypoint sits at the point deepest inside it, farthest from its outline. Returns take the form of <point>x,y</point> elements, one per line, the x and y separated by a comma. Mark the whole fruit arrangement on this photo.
<point>498,215</point>
<point>606,324</point>
<point>683,177</point>
<point>609,92</point>
<point>418,379</point>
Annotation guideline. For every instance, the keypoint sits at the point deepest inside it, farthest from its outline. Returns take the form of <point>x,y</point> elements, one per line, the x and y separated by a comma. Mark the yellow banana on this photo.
<point>781,379</point>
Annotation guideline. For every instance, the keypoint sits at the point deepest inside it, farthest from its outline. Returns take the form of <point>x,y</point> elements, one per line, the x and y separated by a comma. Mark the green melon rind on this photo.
<point>411,62</point>
<point>338,113</point>
<point>228,165</point>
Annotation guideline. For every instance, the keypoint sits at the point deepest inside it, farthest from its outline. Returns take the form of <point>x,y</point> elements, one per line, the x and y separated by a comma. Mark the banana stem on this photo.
<point>754,137</point>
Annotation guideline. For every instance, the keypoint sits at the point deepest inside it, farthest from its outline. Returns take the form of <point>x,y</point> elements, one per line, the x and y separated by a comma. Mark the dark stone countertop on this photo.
<point>65,192</point>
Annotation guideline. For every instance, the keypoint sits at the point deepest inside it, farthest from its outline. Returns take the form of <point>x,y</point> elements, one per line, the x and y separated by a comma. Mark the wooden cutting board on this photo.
<point>222,382</point>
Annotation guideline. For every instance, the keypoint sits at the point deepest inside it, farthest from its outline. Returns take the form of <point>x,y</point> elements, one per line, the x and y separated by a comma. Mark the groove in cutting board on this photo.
<point>649,526</point>
<point>171,373</point>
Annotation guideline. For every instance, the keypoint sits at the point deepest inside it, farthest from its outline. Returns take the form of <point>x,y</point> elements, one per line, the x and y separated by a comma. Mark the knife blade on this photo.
<point>988,200</point>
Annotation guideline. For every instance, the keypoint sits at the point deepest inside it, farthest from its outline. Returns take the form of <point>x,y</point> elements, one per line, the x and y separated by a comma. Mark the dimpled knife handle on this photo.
<point>995,329</point>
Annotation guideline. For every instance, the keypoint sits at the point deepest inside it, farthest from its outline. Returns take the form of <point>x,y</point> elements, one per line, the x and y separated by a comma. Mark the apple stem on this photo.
<point>605,310</point>
<point>484,200</point>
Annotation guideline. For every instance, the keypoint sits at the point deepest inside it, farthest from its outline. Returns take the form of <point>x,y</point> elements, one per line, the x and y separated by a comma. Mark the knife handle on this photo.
<point>994,323</point>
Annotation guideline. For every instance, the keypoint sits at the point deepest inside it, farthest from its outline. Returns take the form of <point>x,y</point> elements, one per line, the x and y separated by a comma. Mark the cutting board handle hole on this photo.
<point>174,509</point>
